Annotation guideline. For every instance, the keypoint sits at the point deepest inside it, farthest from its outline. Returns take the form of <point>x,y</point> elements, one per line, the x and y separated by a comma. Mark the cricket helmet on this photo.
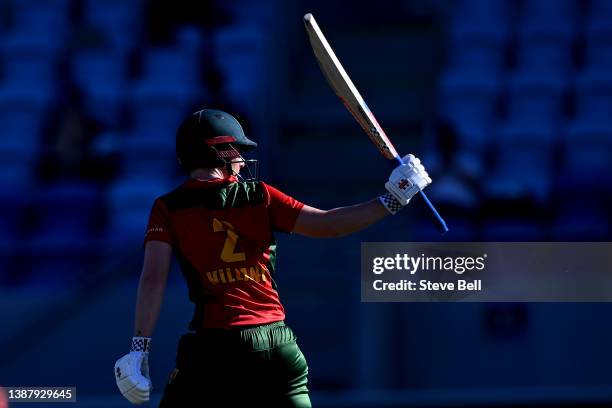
<point>210,138</point>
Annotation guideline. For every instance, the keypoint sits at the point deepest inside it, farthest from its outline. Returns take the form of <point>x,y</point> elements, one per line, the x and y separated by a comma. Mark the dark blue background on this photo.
<point>507,102</point>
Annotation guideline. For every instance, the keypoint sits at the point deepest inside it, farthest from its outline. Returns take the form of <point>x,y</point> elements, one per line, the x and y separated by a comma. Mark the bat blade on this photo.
<point>345,89</point>
<point>353,101</point>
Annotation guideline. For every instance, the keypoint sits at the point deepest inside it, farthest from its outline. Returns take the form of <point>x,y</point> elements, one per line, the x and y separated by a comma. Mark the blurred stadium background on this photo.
<point>508,103</point>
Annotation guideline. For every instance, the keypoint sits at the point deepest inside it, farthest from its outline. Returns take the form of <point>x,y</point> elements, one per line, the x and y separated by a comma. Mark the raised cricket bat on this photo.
<point>350,96</point>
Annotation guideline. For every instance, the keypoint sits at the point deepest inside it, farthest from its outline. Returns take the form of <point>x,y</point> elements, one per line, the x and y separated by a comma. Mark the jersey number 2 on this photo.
<point>228,253</point>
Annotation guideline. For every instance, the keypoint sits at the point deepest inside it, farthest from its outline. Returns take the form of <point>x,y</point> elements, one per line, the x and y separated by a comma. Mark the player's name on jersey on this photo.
<point>428,285</point>
<point>255,273</point>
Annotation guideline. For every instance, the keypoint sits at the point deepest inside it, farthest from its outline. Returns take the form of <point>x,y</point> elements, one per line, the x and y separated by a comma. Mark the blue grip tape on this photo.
<point>436,218</point>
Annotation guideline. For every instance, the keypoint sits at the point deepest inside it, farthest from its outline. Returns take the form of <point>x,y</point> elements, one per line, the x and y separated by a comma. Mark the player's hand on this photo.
<point>407,180</point>
<point>132,372</point>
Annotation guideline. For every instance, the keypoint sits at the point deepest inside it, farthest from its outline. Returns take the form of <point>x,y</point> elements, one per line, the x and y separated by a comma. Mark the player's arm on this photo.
<point>132,370</point>
<point>151,286</point>
<point>405,181</point>
<point>316,223</point>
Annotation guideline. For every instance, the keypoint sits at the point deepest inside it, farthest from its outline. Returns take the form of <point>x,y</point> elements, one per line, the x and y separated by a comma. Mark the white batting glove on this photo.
<point>405,181</point>
<point>132,372</point>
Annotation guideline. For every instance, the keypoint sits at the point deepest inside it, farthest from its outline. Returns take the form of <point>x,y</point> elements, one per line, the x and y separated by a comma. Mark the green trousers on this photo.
<point>258,366</point>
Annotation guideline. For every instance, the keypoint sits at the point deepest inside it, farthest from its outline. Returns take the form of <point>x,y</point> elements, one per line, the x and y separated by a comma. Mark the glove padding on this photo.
<point>132,376</point>
<point>407,180</point>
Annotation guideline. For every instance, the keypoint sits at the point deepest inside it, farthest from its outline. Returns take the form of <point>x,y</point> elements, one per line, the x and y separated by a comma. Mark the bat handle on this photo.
<point>436,218</point>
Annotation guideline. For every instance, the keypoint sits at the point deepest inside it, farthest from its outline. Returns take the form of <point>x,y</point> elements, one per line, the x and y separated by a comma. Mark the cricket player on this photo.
<point>220,227</point>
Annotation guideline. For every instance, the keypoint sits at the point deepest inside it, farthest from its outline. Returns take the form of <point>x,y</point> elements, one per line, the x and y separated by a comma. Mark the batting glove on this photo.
<point>132,372</point>
<point>405,181</point>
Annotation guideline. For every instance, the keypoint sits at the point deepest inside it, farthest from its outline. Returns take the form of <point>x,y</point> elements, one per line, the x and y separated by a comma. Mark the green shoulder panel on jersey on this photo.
<point>234,195</point>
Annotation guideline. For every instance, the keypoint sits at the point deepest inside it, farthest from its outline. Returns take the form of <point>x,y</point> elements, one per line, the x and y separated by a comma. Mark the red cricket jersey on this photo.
<point>221,232</point>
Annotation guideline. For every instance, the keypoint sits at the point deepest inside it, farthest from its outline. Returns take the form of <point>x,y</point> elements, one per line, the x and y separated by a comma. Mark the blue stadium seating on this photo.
<point>482,13</point>
<point>503,185</point>
<point>107,143</point>
<point>546,35</point>
<point>127,227</point>
<point>102,76</point>
<point>58,261</point>
<point>149,151</point>
<point>159,104</point>
<point>129,203</point>
<point>22,112</point>
<point>39,18</point>
<point>71,210</point>
<point>588,148</point>
<point>170,84</point>
<point>594,96</point>
<point>536,97</point>
<point>524,134</point>
<point>581,218</point>
<point>536,93</point>
<point>58,6</point>
<point>62,244</point>
<point>23,106</point>
<point>98,68</point>
<point>18,173</point>
<point>476,52</point>
<point>18,155</point>
<point>30,60</point>
<point>524,160</point>
<point>191,40</point>
<point>119,22</point>
<point>14,201</point>
<point>173,65</point>
<point>12,205</point>
<point>246,12</point>
<point>599,46</point>
<point>548,56</point>
<point>21,118</point>
<point>240,53</point>
<point>550,12</point>
<point>469,102</point>
<point>514,229</point>
<point>600,10</point>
